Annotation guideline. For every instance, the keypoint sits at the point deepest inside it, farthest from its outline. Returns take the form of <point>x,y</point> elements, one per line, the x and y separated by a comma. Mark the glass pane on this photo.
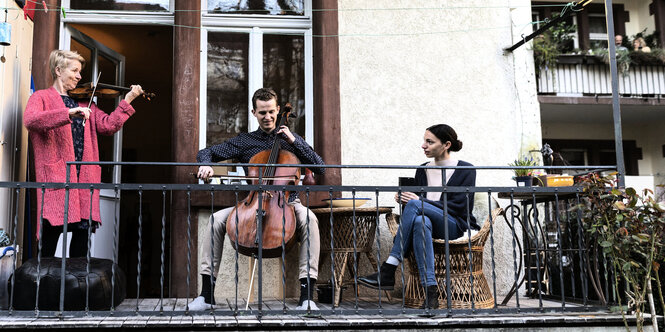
<point>129,5</point>
<point>227,70</point>
<point>598,44</point>
<point>86,53</point>
<point>607,157</point>
<point>597,24</point>
<point>108,69</point>
<point>284,71</point>
<point>264,7</point>
<point>535,18</point>
<point>575,157</point>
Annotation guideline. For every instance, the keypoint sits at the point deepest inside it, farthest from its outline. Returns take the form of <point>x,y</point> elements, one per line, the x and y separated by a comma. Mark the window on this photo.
<point>539,20</point>
<point>597,31</point>
<point>578,152</point>
<point>266,7</point>
<point>242,53</point>
<point>128,5</point>
<point>590,22</point>
<point>284,71</point>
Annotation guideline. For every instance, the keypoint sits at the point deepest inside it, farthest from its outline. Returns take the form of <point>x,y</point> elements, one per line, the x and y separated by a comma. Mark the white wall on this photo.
<point>15,88</point>
<point>639,16</point>
<point>406,65</point>
<point>404,70</point>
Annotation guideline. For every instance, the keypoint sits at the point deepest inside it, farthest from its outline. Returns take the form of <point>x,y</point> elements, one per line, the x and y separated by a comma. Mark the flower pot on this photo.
<point>524,181</point>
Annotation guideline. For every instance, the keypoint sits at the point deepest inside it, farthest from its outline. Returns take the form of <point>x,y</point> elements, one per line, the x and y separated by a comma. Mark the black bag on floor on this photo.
<point>75,284</point>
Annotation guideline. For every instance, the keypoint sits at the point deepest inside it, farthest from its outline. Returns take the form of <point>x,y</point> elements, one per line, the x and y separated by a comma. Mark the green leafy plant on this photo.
<point>553,42</point>
<point>627,229</point>
<point>524,161</point>
<point>623,59</point>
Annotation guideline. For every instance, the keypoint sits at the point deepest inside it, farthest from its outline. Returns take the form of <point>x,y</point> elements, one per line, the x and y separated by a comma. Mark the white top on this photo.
<point>434,176</point>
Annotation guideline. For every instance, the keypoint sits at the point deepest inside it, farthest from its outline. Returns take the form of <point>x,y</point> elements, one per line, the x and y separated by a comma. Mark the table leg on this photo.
<point>342,263</point>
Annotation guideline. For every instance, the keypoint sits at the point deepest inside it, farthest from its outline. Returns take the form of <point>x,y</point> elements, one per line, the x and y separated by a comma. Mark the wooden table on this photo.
<point>343,249</point>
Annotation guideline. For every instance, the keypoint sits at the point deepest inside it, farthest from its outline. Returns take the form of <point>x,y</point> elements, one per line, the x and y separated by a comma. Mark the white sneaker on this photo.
<point>199,304</point>
<point>303,306</point>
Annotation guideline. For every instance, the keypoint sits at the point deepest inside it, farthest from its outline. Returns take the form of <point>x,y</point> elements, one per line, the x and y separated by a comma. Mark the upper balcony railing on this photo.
<point>537,257</point>
<point>587,75</point>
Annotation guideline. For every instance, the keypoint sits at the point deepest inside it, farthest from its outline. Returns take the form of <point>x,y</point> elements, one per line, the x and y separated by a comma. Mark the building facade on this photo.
<point>365,78</point>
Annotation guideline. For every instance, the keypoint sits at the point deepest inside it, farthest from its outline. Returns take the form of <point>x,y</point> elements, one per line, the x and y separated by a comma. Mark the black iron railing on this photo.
<point>550,259</point>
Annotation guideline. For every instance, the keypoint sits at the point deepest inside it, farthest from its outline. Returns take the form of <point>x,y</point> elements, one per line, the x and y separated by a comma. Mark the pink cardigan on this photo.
<point>47,119</point>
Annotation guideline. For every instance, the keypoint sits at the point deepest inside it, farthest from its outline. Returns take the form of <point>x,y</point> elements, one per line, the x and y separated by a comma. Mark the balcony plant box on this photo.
<point>570,59</point>
<point>593,60</point>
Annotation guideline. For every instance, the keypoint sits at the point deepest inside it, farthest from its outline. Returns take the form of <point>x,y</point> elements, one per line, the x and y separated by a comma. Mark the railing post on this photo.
<point>64,240</point>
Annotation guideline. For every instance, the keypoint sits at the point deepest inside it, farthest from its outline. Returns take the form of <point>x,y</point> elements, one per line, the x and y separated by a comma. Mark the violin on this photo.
<point>268,211</point>
<point>86,90</point>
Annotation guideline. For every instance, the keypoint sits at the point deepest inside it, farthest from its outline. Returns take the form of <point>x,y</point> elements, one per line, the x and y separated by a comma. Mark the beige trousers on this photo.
<point>303,230</point>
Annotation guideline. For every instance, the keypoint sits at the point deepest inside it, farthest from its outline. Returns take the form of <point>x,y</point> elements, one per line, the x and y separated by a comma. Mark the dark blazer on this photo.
<point>457,202</point>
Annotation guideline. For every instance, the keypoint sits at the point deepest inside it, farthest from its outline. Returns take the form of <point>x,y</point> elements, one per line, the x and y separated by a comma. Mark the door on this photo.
<point>111,64</point>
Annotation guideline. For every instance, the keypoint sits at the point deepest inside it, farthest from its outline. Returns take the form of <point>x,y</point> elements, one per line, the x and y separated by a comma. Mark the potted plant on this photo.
<point>626,231</point>
<point>555,41</point>
<point>523,176</point>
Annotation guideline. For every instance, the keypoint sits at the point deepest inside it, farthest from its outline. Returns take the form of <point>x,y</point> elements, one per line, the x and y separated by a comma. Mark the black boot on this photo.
<point>432,301</point>
<point>387,278</point>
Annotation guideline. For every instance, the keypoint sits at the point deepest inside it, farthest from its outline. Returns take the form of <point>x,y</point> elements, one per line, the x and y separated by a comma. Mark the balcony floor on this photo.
<point>172,317</point>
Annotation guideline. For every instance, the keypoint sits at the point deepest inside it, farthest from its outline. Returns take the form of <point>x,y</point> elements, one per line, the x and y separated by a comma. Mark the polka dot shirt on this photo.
<point>244,146</point>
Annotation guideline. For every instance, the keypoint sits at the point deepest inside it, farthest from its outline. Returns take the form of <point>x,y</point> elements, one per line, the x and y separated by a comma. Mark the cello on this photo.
<point>266,209</point>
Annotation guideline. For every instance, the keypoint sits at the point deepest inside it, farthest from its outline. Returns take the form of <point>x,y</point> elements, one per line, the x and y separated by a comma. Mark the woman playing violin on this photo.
<point>61,130</point>
<point>423,217</point>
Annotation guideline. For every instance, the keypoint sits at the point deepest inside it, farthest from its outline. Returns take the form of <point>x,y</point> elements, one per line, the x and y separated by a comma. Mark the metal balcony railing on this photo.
<point>547,263</point>
<point>586,77</point>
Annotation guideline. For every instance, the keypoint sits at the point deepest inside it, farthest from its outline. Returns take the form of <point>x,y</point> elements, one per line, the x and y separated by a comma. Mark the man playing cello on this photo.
<point>243,147</point>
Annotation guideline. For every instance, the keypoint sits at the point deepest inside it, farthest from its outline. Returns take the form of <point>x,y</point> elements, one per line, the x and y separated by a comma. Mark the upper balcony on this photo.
<point>589,76</point>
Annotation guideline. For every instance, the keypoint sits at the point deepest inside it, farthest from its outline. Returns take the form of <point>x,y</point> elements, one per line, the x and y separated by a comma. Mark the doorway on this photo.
<point>145,137</point>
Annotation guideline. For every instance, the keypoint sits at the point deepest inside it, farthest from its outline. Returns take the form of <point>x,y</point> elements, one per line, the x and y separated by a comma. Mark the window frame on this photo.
<point>596,36</point>
<point>256,26</point>
<point>117,16</point>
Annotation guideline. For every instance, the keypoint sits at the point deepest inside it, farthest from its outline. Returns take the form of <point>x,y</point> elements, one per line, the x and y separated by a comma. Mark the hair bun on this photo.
<point>459,145</point>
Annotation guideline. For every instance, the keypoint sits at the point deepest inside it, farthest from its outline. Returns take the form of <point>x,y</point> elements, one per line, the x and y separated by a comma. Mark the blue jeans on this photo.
<point>419,223</point>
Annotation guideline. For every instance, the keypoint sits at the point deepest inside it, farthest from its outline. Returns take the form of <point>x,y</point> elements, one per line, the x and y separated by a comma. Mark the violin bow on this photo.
<point>94,88</point>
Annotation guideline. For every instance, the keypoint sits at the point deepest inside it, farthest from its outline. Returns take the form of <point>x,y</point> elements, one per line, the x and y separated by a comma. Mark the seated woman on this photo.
<point>423,216</point>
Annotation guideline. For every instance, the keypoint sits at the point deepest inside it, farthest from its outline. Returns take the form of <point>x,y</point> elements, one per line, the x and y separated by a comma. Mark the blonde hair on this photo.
<point>640,41</point>
<point>60,58</point>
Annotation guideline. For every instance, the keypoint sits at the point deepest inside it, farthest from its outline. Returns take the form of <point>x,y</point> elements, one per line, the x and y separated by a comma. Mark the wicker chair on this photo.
<point>460,281</point>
